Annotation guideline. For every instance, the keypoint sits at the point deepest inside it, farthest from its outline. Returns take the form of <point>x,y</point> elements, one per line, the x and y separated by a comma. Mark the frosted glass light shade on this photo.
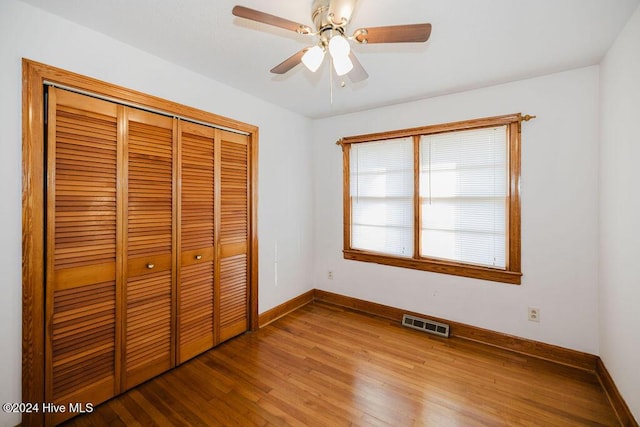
<point>312,58</point>
<point>339,49</point>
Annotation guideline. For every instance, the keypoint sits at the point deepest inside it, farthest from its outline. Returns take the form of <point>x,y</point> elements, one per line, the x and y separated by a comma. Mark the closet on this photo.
<point>147,253</point>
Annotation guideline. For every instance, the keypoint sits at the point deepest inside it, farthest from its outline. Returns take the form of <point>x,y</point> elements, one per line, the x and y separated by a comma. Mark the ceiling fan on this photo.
<point>330,18</point>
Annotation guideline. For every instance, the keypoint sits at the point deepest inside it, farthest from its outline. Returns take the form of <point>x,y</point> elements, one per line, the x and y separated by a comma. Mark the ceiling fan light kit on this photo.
<point>330,18</point>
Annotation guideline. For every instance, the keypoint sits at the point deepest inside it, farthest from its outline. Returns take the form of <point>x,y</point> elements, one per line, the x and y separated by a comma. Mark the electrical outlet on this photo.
<point>534,314</point>
<point>330,275</point>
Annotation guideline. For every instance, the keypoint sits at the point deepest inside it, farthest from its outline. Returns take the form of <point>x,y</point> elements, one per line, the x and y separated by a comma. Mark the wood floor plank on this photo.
<point>322,365</point>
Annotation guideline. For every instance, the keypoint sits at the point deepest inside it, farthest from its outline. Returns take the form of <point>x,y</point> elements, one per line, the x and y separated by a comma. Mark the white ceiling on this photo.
<point>474,43</point>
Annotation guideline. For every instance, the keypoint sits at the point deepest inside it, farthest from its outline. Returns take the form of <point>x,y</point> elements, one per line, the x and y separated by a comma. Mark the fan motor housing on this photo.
<point>320,13</point>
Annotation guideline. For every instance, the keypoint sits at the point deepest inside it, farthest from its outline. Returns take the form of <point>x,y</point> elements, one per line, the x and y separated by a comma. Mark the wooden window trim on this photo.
<point>512,273</point>
<point>34,76</point>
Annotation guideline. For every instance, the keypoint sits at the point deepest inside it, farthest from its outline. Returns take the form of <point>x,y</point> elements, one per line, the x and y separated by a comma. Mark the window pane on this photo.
<point>463,190</point>
<point>381,179</point>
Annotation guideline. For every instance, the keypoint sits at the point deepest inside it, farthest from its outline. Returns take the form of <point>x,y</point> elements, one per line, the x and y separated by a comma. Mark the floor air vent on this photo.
<point>426,325</point>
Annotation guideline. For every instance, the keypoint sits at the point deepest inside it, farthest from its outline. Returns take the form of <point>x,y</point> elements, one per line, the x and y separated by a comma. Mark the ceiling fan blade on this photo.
<point>289,63</point>
<point>342,10</point>
<point>357,73</point>
<point>393,34</point>
<point>265,18</point>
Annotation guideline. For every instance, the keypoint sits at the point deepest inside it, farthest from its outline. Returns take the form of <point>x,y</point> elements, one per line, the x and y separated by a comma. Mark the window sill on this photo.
<point>444,267</point>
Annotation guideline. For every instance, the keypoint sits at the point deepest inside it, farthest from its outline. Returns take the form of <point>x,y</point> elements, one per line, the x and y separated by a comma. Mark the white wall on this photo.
<point>285,178</point>
<point>559,213</point>
<point>620,213</point>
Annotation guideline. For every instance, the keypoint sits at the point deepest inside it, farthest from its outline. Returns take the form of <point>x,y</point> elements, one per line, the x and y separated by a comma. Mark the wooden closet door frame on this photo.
<point>34,77</point>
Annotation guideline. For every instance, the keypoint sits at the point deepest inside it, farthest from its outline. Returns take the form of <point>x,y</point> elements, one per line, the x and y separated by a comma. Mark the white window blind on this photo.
<point>381,180</point>
<point>463,192</point>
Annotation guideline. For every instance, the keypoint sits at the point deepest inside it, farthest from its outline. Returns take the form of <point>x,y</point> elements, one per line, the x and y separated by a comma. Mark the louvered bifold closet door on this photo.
<point>148,340</point>
<point>196,270</point>
<point>82,289</point>
<point>233,234</point>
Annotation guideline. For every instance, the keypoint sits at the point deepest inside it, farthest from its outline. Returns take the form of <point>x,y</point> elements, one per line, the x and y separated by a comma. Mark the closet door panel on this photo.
<point>196,330</point>
<point>150,241</point>
<point>82,343</point>
<point>234,234</point>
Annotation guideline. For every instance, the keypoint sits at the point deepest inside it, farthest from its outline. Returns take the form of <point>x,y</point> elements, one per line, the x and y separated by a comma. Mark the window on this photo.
<point>381,178</point>
<point>441,198</point>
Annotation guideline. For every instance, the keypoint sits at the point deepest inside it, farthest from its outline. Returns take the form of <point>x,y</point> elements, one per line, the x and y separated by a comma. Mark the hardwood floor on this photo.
<point>326,366</point>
